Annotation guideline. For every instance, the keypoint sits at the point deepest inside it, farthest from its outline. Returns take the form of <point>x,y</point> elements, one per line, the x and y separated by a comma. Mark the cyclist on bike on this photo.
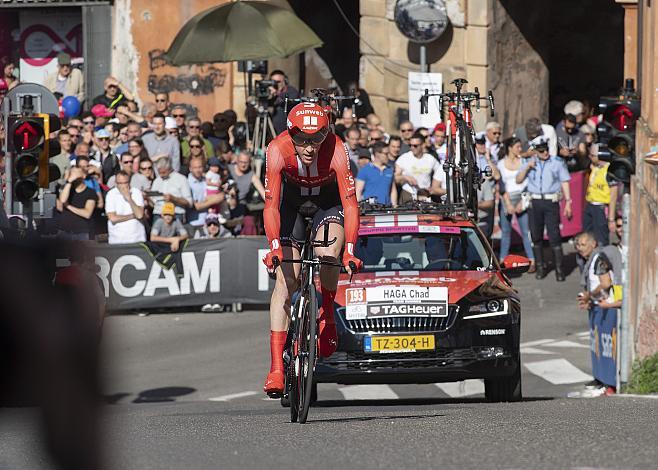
<point>306,162</point>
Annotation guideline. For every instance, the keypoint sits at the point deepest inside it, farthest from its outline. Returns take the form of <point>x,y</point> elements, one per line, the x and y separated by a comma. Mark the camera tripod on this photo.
<point>262,126</point>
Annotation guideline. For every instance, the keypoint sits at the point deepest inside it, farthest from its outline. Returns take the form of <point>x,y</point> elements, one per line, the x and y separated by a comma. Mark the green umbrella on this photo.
<point>241,30</point>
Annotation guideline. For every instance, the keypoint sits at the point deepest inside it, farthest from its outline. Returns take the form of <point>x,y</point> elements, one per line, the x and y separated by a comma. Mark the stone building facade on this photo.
<point>480,44</point>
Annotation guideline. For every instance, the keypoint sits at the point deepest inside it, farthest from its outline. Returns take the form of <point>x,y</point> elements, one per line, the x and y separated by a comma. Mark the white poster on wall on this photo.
<point>44,34</point>
<point>418,82</point>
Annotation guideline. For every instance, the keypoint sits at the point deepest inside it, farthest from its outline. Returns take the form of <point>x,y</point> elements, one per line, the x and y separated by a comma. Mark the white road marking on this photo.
<point>583,334</point>
<point>566,344</point>
<point>233,396</point>
<point>633,395</point>
<point>536,342</point>
<point>534,351</point>
<point>368,392</point>
<point>557,371</point>
<point>463,388</point>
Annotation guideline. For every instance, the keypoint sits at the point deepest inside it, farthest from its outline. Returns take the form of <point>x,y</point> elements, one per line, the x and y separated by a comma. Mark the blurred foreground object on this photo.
<point>49,336</point>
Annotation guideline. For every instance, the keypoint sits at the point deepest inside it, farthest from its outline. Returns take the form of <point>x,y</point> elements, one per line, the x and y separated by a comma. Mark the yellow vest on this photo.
<point>598,190</point>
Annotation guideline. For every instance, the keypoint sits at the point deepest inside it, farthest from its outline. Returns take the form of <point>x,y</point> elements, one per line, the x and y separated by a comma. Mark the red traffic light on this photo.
<point>622,118</point>
<point>27,134</point>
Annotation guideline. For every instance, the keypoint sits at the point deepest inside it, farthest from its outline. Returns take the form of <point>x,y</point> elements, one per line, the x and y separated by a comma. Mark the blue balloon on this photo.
<point>71,106</point>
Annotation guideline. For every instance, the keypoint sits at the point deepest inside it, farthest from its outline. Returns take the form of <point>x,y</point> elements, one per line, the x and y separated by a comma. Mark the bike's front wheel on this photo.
<point>306,353</point>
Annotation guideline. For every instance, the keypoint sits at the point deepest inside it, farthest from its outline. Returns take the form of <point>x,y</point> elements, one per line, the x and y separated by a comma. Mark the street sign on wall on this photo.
<point>418,82</point>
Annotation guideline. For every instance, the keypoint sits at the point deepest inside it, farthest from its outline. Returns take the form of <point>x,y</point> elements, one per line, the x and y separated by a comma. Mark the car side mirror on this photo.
<point>515,265</point>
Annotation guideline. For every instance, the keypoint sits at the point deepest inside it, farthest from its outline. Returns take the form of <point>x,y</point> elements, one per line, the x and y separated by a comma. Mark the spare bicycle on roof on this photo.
<point>463,176</point>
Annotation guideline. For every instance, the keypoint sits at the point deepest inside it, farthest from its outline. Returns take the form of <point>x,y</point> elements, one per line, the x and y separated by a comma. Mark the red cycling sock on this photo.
<point>328,297</point>
<point>277,344</point>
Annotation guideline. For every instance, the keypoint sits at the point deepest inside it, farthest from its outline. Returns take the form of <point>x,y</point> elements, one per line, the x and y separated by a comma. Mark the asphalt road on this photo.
<point>184,391</point>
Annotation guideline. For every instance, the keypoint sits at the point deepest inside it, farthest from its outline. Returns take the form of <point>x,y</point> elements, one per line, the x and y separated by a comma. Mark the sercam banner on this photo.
<point>214,271</point>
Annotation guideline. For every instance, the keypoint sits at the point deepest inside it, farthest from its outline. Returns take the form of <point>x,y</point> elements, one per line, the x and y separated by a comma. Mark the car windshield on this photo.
<point>461,251</point>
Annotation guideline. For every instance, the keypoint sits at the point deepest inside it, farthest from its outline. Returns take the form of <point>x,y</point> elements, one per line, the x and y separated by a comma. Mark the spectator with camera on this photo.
<point>571,142</point>
<point>533,128</point>
<point>75,206</point>
<point>277,97</point>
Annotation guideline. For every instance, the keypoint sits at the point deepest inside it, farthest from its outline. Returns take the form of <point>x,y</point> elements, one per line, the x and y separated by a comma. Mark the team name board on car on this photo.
<point>382,301</point>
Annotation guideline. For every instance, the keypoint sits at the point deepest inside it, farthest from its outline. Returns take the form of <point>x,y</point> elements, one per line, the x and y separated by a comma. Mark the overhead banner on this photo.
<point>219,271</point>
<point>418,82</point>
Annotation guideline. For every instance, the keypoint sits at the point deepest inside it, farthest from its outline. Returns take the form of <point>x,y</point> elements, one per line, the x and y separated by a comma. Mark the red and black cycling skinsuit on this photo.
<point>328,183</point>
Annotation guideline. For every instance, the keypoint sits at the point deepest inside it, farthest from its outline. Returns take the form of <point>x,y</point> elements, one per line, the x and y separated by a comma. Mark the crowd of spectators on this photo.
<point>158,173</point>
<point>121,164</point>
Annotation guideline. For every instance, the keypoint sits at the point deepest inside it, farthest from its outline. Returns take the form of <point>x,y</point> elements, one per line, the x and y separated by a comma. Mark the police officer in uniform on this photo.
<point>546,175</point>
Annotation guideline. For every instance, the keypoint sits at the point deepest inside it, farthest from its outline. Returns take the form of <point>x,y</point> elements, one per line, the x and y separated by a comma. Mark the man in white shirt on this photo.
<point>419,173</point>
<point>173,187</point>
<point>124,207</point>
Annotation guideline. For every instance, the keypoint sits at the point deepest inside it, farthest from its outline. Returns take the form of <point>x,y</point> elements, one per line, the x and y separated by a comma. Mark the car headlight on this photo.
<point>490,308</point>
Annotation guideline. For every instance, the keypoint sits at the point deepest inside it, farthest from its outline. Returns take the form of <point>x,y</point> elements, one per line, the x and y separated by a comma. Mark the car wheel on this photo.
<point>504,388</point>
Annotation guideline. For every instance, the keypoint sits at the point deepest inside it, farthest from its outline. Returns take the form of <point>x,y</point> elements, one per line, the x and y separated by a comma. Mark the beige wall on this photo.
<point>143,30</point>
<point>470,48</point>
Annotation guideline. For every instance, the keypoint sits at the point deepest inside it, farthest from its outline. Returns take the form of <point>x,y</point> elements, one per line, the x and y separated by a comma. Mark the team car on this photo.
<point>432,304</point>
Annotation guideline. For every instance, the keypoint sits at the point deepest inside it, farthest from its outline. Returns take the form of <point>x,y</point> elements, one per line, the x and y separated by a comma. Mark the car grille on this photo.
<point>420,359</point>
<point>402,324</point>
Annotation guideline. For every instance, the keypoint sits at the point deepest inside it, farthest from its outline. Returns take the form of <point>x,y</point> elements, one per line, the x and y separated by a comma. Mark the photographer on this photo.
<point>277,99</point>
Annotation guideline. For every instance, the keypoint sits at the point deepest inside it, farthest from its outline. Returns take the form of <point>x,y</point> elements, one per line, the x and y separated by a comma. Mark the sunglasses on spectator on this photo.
<point>216,224</point>
<point>406,130</point>
<point>179,115</point>
<point>192,127</point>
<point>127,162</point>
<point>145,168</point>
<point>415,145</point>
<point>103,138</point>
<point>160,101</point>
<point>196,146</point>
<point>88,121</point>
<point>496,133</point>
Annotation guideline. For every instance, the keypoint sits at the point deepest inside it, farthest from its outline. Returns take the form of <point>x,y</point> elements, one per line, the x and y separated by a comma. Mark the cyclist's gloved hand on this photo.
<point>351,263</point>
<point>275,253</point>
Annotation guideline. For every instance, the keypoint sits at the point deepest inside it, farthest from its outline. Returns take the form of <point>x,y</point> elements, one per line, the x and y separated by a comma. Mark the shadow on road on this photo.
<point>163,394</point>
<point>372,418</point>
<point>413,402</point>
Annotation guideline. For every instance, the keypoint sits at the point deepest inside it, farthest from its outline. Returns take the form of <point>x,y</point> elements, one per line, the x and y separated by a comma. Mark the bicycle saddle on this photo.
<point>308,209</point>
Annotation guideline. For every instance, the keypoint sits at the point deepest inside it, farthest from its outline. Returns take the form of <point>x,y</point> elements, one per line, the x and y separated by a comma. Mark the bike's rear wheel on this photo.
<point>305,360</point>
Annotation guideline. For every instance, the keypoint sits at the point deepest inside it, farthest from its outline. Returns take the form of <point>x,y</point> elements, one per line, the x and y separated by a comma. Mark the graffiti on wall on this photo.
<point>201,82</point>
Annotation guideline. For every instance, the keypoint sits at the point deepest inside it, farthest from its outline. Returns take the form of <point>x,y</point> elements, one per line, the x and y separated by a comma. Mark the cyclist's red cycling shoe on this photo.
<point>274,383</point>
<point>327,337</point>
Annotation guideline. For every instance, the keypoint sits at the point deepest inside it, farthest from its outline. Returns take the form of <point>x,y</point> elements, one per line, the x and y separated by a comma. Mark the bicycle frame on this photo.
<point>462,174</point>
